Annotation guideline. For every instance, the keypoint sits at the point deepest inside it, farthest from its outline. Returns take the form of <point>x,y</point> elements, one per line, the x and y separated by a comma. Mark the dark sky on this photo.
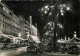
<point>26,8</point>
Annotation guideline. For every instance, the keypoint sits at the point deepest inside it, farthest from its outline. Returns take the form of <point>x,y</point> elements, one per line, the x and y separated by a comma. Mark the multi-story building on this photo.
<point>9,22</point>
<point>12,26</point>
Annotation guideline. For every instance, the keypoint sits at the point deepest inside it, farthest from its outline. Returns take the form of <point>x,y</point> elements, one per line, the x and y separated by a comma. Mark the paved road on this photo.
<point>13,52</point>
<point>32,54</point>
<point>22,51</point>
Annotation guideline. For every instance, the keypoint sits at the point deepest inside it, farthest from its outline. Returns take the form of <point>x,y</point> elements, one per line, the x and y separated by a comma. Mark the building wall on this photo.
<point>12,25</point>
<point>8,21</point>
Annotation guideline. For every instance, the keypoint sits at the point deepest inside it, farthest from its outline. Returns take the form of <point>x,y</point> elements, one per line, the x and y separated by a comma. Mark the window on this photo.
<point>5,10</point>
<point>1,18</point>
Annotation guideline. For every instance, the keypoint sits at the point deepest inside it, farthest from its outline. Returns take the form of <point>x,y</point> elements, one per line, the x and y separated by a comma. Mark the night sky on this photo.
<point>26,8</point>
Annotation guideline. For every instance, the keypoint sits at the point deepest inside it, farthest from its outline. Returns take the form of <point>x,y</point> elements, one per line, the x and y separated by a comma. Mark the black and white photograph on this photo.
<point>39,28</point>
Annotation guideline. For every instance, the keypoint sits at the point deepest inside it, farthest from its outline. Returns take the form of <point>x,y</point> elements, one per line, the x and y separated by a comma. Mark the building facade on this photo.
<point>9,21</point>
<point>12,26</point>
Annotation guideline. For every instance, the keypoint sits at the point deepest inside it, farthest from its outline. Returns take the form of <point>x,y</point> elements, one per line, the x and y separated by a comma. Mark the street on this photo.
<point>39,28</point>
<point>13,52</point>
<point>22,51</point>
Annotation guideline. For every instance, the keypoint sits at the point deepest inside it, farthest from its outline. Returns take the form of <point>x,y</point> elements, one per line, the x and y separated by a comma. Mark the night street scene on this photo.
<point>39,28</point>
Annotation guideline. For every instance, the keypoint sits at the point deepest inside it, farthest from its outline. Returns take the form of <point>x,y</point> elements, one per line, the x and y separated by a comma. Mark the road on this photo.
<point>22,51</point>
<point>13,52</point>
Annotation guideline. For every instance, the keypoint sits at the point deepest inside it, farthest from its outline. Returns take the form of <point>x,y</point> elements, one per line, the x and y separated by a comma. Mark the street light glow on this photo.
<point>64,5</point>
<point>56,34</point>
<point>46,6</point>
<point>45,12</point>
<point>61,26</point>
<point>50,13</point>
<point>49,23</point>
<point>42,9</point>
<point>30,16</point>
<point>52,6</point>
<point>68,38</point>
<point>68,8</point>
<point>46,33</point>
<point>62,12</point>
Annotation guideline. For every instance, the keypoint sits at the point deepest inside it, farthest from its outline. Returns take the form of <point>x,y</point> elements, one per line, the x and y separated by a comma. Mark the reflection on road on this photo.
<point>16,52</point>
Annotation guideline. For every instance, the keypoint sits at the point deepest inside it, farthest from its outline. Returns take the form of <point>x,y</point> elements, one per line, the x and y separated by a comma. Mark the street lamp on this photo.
<point>60,25</point>
<point>50,13</point>
<point>68,8</point>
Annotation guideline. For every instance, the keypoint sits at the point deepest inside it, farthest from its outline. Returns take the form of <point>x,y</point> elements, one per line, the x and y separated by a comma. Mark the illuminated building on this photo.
<point>8,21</point>
<point>12,26</point>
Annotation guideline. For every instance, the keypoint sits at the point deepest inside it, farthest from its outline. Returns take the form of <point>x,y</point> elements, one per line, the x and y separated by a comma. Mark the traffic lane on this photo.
<point>14,53</point>
<point>17,52</point>
<point>23,52</point>
<point>31,54</point>
<point>57,54</point>
<point>43,54</point>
